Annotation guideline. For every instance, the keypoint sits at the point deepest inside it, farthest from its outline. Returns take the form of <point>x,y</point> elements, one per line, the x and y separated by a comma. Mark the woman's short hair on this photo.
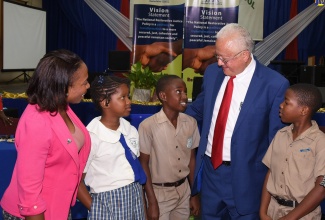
<point>48,87</point>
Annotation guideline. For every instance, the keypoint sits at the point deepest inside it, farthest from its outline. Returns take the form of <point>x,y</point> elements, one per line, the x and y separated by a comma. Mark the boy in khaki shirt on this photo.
<point>296,160</point>
<point>168,141</point>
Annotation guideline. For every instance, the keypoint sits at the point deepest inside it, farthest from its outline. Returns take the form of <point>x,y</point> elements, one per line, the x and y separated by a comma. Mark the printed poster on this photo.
<point>158,34</point>
<point>203,20</point>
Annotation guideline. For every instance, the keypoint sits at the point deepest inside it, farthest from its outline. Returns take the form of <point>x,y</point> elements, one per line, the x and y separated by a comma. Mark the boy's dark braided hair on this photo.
<point>103,87</point>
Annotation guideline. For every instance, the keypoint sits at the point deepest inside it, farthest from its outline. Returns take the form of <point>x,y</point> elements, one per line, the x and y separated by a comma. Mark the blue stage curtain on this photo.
<point>310,41</point>
<point>74,26</point>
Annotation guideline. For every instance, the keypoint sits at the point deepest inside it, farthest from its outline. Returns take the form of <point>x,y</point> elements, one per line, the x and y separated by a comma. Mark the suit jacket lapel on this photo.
<point>253,91</point>
<point>65,137</point>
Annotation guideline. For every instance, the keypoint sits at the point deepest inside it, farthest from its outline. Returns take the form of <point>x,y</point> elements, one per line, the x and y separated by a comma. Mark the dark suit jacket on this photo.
<point>257,123</point>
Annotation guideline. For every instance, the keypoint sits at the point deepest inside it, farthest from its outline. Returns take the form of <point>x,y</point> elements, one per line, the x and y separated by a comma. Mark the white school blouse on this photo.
<point>107,167</point>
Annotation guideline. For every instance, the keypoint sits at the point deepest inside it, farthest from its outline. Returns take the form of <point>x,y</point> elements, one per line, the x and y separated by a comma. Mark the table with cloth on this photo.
<point>85,110</point>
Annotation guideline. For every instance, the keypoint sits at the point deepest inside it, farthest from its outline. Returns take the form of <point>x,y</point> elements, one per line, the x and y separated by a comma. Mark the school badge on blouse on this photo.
<point>134,142</point>
<point>135,147</point>
<point>189,142</point>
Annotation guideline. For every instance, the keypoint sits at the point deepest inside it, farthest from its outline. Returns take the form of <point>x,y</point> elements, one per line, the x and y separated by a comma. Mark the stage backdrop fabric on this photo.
<point>72,25</point>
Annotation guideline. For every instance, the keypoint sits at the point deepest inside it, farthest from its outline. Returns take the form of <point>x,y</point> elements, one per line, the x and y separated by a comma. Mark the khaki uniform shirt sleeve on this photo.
<point>319,169</point>
<point>267,157</point>
<point>196,136</point>
<point>145,136</point>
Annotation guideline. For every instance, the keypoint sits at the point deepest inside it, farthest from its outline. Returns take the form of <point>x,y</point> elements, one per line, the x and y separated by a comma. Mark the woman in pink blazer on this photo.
<point>52,143</point>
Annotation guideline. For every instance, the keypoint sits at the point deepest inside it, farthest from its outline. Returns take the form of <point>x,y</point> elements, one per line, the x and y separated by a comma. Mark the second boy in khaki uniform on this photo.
<point>167,153</point>
<point>296,159</point>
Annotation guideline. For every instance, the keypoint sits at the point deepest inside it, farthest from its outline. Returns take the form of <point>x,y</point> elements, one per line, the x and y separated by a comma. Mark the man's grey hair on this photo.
<point>243,40</point>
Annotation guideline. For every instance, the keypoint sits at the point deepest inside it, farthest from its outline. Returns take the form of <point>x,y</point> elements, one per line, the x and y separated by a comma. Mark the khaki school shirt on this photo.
<point>295,165</point>
<point>169,147</point>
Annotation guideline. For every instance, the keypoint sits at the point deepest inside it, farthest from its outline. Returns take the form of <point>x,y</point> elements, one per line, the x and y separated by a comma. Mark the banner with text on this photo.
<point>203,19</point>
<point>158,34</point>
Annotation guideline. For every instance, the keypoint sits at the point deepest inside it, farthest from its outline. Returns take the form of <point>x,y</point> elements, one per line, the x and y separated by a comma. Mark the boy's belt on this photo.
<point>284,202</point>
<point>175,184</point>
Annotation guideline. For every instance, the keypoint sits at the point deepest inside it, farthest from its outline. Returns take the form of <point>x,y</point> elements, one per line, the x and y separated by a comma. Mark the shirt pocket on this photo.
<point>302,164</point>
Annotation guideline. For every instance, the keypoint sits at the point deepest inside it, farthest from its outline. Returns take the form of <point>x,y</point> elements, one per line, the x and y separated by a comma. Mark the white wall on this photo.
<point>6,76</point>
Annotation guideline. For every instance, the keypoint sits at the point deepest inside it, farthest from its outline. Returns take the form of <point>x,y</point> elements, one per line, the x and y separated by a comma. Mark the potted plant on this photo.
<point>143,80</point>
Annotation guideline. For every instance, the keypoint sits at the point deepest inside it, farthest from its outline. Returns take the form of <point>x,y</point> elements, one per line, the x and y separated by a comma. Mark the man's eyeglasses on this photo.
<point>225,61</point>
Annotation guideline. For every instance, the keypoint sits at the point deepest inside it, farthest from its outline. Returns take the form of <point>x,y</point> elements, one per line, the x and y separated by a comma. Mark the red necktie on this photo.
<point>220,127</point>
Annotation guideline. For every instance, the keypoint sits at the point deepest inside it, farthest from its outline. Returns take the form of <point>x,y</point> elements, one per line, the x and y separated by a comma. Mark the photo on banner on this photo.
<point>158,35</point>
<point>203,20</point>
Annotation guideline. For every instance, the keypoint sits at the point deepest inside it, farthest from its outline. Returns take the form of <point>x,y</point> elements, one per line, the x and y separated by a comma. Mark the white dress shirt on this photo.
<point>241,84</point>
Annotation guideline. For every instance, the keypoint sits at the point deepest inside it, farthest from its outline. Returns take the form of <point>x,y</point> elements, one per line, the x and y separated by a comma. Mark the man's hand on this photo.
<point>195,205</point>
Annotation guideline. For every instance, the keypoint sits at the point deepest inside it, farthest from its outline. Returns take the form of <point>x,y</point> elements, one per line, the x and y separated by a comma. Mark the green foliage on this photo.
<point>142,78</point>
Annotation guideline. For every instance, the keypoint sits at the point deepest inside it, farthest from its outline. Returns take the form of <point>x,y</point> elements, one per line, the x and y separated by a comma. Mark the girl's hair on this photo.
<point>103,87</point>
<point>51,80</point>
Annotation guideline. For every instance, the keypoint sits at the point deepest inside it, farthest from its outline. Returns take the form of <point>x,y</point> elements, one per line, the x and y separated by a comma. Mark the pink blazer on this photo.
<point>48,169</point>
